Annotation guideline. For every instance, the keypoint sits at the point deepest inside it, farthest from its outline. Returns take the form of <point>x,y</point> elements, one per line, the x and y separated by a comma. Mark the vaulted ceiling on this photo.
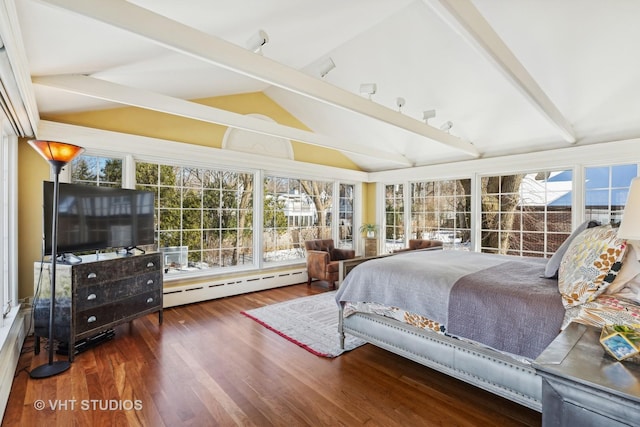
<point>511,76</point>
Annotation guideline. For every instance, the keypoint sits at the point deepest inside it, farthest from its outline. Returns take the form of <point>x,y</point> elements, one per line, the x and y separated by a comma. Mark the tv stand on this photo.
<point>97,295</point>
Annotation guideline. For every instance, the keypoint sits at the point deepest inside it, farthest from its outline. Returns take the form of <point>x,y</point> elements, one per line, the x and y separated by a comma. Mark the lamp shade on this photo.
<point>56,152</point>
<point>630,226</point>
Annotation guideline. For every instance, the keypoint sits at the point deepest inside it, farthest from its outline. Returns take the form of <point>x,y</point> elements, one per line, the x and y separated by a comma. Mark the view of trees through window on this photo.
<point>94,170</point>
<point>394,217</point>
<point>295,210</point>
<point>441,210</point>
<point>206,212</point>
<point>206,215</point>
<point>526,214</point>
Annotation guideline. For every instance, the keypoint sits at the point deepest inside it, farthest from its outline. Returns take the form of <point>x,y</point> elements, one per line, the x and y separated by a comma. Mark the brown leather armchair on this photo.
<point>323,260</point>
<point>416,244</point>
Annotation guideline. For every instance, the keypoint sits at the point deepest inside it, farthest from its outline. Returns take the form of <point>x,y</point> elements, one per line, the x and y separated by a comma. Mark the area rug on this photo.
<point>310,322</point>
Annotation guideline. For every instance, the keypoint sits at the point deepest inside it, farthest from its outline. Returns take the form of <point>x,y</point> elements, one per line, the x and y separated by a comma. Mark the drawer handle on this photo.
<point>91,276</point>
<point>150,282</point>
<point>150,264</point>
<point>91,319</point>
<point>149,300</point>
<point>91,297</point>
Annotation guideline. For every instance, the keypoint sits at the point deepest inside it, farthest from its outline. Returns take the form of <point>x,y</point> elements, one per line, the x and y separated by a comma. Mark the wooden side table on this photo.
<point>582,386</point>
<point>370,247</point>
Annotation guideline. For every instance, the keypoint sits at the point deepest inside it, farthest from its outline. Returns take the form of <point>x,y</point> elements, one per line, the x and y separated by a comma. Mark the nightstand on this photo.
<point>582,386</point>
<point>370,247</point>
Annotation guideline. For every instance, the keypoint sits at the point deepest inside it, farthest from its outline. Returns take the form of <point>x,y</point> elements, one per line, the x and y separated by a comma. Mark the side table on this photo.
<point>582,386</point>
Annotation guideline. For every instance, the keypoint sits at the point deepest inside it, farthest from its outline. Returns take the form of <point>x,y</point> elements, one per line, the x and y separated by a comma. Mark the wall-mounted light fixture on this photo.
<point>258,40</point>
<point>368,89</point>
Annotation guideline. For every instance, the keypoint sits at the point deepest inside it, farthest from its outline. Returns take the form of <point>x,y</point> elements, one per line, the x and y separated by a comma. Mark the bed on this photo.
<point>483,318</point>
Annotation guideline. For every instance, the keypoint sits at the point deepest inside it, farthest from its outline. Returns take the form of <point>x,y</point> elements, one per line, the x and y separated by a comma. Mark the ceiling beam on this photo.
<point>108,91</point>
<point>466,20</point>
<point>189,41</point>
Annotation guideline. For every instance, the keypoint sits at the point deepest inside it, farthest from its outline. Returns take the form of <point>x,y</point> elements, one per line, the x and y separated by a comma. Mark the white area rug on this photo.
<point>310,322</point>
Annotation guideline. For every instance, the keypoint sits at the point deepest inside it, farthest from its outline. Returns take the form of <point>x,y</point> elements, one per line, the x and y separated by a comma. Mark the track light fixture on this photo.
<point>428,114</point>
<point>446,126</point>
<point>400,103</point>
<point>326,66</point>
<point>258,40</point>
<point>368,89</point>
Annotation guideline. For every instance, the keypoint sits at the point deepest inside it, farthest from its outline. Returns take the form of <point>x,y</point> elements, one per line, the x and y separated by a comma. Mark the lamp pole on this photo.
<point>58,154</point>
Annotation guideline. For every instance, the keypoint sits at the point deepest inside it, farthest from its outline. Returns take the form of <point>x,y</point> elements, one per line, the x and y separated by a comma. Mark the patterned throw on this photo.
<point>310,322</point>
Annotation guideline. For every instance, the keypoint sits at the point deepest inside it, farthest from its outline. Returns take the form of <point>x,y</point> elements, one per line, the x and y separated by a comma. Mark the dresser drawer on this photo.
<point>109,292</point>
<point>93,273</point>
<point>104,315</point>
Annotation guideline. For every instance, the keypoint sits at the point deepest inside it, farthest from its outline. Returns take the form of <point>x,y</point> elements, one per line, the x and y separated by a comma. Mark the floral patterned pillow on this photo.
<point>590,264</point>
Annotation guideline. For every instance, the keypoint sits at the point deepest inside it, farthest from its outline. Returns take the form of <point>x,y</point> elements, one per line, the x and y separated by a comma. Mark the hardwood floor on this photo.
<point>208,365</point>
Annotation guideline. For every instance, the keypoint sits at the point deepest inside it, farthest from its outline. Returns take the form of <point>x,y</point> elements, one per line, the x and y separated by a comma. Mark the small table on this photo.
<point>583,386</point>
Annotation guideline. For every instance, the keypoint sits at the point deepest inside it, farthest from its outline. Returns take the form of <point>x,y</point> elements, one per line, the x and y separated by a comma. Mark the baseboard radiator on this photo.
<point>10,352</point>
<point>188,294</point>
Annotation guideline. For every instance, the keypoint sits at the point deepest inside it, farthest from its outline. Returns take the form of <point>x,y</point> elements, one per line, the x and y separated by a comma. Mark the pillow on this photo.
<point>551,269</point>
<point>629,271</point>
<point>590,264</point>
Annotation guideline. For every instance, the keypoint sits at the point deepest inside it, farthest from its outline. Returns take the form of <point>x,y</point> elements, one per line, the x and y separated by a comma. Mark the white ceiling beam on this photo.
<point>463,17</point>
<point>189,41</point>
<point>108,91</point>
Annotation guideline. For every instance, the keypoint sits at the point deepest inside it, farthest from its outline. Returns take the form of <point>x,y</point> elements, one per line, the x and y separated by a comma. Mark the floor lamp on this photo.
<point>58,154</point>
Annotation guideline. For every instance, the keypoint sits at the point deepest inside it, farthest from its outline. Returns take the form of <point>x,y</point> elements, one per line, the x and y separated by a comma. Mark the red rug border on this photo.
<point>283,335</point>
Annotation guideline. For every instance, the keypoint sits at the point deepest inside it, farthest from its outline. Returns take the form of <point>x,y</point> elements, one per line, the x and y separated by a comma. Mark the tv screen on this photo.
<point>94,218</point>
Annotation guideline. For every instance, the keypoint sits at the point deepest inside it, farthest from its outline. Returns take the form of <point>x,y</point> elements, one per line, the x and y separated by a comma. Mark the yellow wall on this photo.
<point>33,169</point>
<point>138,121</point>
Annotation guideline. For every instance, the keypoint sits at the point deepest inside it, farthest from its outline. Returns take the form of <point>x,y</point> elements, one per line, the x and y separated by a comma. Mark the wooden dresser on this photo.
<point>97,295</point>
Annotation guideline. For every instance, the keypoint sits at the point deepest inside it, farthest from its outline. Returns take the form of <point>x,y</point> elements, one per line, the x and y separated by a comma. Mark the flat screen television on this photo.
<point>95,218</point>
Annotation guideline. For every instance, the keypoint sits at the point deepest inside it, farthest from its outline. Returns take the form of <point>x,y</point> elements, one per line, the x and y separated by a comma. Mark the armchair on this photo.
<point>416,244</point>
<point>323,260</point>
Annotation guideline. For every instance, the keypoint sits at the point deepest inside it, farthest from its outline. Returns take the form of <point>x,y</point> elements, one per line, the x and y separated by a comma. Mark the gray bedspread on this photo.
<point>473,293</point>
<point>508,307</point>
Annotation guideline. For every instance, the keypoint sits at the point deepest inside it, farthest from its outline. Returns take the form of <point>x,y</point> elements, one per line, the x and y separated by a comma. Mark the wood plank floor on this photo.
<point>208,365</point>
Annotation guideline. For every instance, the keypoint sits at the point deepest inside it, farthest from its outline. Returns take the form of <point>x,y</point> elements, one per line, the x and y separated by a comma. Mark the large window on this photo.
<point>345,217</point>
<point>606,191</point>
<point>206,213</point>
<point>526,214</point>
<point>441,210</point>
<point>295,210</point>
<point>94,170</point>
<point>394,217</point>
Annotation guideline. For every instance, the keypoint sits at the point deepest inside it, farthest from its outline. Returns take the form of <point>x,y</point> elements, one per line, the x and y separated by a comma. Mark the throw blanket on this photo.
<point>425,283</point>
<point>508,307</point>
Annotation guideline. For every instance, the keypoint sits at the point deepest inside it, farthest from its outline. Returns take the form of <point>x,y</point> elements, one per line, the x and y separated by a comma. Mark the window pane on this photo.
<point>294,211</point>
<point>202,209</point>
<point>517,220</point>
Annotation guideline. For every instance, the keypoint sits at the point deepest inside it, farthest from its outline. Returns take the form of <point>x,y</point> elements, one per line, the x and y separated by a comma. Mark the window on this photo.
<point>206,213</point>
<point>526,214</point>
<point>8,224</point>
<point>606,191</point>
<point>94,170</point>
<point>441,210</point>
<point>394,217</point>
<point>295,210</point>
<point>345,217</point>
